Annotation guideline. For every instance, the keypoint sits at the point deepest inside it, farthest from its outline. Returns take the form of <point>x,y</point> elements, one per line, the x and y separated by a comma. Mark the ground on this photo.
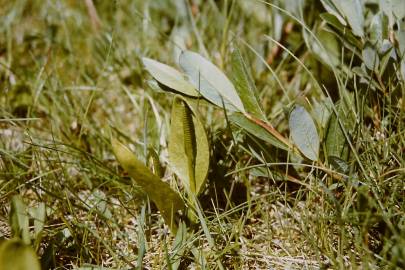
<point>71,74</point>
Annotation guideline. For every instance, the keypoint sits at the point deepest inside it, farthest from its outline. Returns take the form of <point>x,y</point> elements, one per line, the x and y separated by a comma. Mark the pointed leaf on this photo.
<point>210,81</point>
<point>304,133</point>
<point>340,30</point>
<point>245,86</point>
<point>335,141</point>
<point>398,7</point>
<point>188,146</point>
<point>378,29</point>
<point>256,130</point>
<point>370,57</point>
<point>338,164</point>
<point>39,215</point>
<point>169,77</point>
<point>353,13</point>
<point>166,199</point>
<point>327,50</point>
<point>333,10</point>
<point>19,219</point>
<point>16,255</point>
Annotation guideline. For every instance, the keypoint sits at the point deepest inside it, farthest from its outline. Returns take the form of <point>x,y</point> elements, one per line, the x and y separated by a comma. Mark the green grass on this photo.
<point>66,83</point>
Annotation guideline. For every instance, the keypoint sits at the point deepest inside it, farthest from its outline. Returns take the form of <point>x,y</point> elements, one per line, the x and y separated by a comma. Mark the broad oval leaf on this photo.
<point>169,77</point>
<point>244,85</point>
<point>166,199</point>
<point>353,13</point>
<point>188,146</point>
<point>303,132</point>
<point>210,81</point>
<point>370,57</point>
<point>16,255</point>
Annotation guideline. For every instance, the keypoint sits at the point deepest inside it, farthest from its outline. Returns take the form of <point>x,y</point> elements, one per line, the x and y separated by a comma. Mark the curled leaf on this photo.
<point>188,146</point>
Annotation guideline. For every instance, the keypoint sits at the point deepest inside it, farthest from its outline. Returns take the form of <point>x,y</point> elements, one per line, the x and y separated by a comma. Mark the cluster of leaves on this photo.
<point>377,50</point>
<point>188,144</point>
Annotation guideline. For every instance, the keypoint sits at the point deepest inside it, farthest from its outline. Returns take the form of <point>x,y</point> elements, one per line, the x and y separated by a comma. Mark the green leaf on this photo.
<point>327,50</point>
<point>39,215</point>
<point>19,219</point>
<point>169,77</point>
<point>370,57</point>
<point>16,255</point>
<point>333,10</point>
<point>335,138</point>
<point>335,141</point>
<point>210,81</point>
<point>256,10</point>
<point>394,9</point>
<point>398,8</point>
<point>256,130</point>
<point>378,29</point>
<point>179,247</point>
<point>338,164</point>
<point>304,133</point>
<point>400,35</point>
<point>245,86</point>
<point>188,146</point>
<point>341,31</point>
<point>352,10</point>
<point>166,199</point>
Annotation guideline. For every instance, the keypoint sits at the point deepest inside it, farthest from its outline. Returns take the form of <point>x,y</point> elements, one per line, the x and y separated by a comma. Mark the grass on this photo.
<point>68,78</point>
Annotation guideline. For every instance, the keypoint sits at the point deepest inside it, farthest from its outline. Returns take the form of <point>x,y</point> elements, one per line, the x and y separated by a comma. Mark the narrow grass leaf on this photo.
<point>16,255</point>
<point>169,77</point>
<point>179,246</point>
<point>244,85</point>
<point>166,199</point>
<point>210,81</point>
<point>304,133</point>
<point>188,146</point>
